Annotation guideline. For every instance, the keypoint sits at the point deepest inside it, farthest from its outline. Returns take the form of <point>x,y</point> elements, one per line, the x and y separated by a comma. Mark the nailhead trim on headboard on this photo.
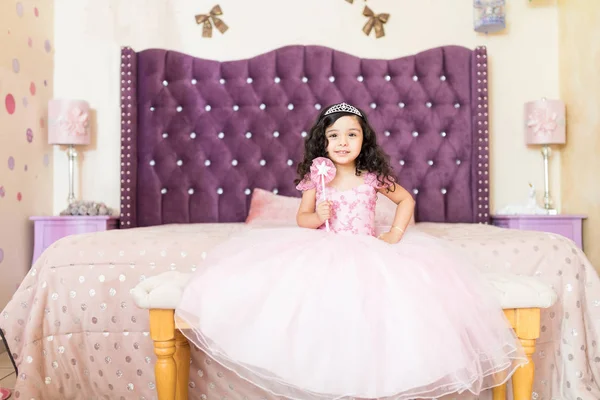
<point>480,116</point>
<point>128,137</point>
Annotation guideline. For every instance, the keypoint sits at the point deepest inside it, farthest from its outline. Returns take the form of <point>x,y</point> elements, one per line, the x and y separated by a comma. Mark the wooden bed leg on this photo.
<point>499,392</point>
<point>527,328</point>
<point>162,332</point>
<point>182,360</point>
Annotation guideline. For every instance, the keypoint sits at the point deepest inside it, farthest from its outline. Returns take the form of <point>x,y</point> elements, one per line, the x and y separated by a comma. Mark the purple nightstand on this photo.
<point>569,226</point>
<point>49,229</point>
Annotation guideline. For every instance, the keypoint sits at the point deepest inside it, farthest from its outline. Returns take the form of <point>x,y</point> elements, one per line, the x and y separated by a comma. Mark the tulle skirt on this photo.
<point>309,314</point>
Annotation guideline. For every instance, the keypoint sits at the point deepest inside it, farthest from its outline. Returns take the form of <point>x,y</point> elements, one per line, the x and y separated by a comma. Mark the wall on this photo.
<point>26,76</point>
<point>580,89</point>
<point>523,64</point>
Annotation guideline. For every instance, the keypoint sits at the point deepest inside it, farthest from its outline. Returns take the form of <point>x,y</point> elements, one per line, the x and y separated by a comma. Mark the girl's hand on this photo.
<point>391,237</point>
<point>324,211</point>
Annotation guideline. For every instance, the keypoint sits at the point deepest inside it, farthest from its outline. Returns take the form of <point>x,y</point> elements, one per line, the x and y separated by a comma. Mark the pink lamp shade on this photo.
<point>68,122</point>
<point>545,122</point>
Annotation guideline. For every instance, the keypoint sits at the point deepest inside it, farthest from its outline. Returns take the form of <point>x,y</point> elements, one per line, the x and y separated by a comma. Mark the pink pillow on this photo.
<point>269,208</point>
<point>273,209</point>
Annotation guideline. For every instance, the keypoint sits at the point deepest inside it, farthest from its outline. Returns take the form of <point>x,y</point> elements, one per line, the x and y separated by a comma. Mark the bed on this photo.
<point>199,138</point>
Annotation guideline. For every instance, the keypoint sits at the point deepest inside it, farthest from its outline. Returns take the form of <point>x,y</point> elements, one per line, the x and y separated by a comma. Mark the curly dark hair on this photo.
<point>371,158</point>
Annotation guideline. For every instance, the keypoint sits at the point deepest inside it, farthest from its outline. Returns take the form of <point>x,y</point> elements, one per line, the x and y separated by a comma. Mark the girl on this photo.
<point>310,314</point>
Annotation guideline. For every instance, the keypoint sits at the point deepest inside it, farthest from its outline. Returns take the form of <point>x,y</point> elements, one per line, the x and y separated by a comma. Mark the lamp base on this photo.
<point>547,199</point>
<point>72,155</point>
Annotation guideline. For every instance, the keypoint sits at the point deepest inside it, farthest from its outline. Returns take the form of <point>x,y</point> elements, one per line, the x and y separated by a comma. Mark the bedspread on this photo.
<point>75,332</point>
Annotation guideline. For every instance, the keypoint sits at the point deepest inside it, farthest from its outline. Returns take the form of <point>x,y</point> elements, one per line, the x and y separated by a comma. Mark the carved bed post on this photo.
<point>182,362</point>
<point>527,328</point>
<point>162,331</point>
<point>526,324</point>
<point>499,392</point>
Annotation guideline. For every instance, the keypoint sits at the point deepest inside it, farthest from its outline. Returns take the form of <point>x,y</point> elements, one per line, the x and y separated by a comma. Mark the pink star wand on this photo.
<point>324,169</point>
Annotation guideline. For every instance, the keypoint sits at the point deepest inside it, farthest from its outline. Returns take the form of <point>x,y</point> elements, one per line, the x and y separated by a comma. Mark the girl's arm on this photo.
<point>308,216</point>
<point>404,212</point>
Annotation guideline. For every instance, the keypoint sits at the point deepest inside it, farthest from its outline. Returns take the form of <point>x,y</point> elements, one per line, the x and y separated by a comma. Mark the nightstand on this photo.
<point>48,230</point>
<point>569,226</point>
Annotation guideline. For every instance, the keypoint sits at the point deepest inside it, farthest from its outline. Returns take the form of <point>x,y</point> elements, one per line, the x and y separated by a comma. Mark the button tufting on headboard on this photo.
<point>217,130</point>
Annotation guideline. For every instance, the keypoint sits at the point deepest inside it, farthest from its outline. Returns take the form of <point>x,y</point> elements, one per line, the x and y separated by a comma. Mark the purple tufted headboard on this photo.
<point>198,135</point>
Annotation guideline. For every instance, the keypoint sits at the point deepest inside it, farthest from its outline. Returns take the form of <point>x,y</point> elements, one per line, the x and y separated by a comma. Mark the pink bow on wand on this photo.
<point>322,167</point>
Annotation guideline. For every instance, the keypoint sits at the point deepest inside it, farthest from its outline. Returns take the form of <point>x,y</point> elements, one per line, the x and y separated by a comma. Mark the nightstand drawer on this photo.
<point>48,230</point>
<point>569,226</point>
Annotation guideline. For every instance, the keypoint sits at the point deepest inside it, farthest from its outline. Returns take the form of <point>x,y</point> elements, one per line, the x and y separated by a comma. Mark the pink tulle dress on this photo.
<point>311,314</point>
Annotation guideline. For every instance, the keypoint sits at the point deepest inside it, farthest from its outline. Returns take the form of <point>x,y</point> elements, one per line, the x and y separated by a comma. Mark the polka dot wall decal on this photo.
<point>9,102</point>
<point>29,135</point>
<point>32,89</point>
<point>25,102</point>
<point>2,191</point>
<point>47,46</point>
<point>1,255</point>
<point>45,83</point>
<point>30,42</point>
<point>42,123</point>
<point>16,66</point>
<point>36,12</point>
<point>11,163</point>
<point>19,9</point>
<point>46,160</point>
<point>19,196</point>
<point>26,168</point>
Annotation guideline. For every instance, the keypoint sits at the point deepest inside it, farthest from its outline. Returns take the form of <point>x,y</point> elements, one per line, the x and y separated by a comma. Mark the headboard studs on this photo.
<point>128,137</point>
<point>481,131</point>
<point>199,135</point>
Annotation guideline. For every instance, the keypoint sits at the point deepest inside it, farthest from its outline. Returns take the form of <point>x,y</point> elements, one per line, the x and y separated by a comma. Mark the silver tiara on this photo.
<point>343,107</point>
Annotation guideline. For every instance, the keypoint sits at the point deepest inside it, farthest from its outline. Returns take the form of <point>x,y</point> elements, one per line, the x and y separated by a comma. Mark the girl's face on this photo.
<point>345,138</point>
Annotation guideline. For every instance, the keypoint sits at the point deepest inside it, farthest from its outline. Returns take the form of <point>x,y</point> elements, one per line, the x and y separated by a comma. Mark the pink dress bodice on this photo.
<point>353,210</point>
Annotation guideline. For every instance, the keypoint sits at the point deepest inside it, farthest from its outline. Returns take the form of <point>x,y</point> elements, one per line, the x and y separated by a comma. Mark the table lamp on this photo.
<point>68,124</point>
<point>545,125</point>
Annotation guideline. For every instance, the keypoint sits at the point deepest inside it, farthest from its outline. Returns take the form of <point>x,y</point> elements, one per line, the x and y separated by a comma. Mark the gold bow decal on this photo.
<point>375,21</point>
<point>206,20</point>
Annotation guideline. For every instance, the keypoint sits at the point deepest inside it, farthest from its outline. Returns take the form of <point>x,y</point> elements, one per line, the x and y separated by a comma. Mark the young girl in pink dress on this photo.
<point>331,309</point>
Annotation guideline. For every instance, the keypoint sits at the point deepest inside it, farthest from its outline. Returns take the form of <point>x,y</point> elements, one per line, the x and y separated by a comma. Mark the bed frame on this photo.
<point>197,136</point>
